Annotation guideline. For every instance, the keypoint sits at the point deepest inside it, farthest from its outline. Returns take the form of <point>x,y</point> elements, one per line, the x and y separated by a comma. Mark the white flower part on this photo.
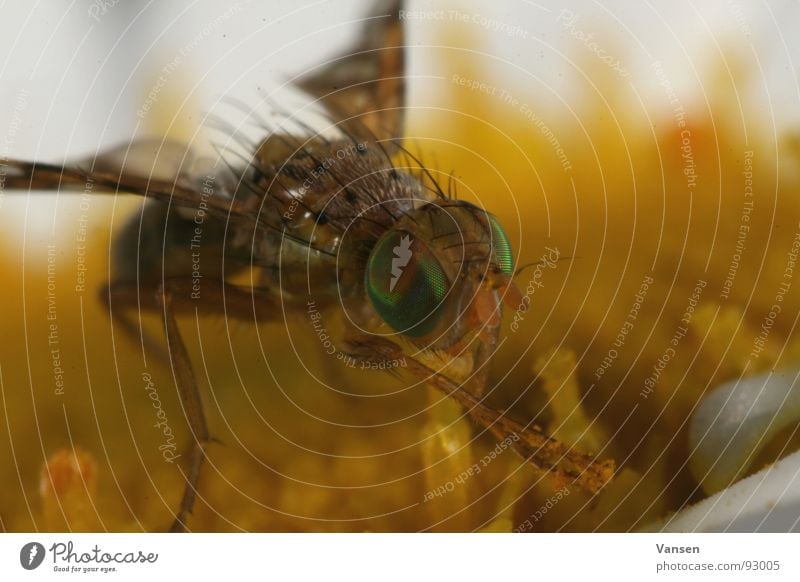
<point>735,421</point>
<point>768,501</point>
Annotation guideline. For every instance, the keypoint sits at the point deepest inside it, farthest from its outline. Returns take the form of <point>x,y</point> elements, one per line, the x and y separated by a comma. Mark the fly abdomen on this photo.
<point>170,243</point>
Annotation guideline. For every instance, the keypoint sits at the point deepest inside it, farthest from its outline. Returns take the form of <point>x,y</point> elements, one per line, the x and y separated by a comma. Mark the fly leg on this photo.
<point>178,295</point>
<point>192,405</point>
<point>129,295</point>
<point>529,441</point>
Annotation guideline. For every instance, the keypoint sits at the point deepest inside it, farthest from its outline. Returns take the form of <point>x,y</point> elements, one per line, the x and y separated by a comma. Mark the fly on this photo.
<point>336,222</point>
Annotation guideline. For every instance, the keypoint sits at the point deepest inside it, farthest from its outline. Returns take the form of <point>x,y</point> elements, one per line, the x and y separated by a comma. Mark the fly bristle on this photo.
<point>437,189</point>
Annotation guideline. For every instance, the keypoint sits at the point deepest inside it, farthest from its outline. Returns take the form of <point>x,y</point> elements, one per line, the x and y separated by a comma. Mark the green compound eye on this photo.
<point>501,248</point>
<point>405,283</point>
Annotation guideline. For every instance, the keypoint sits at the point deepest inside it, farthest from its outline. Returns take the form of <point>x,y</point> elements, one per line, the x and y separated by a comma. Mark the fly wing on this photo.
<point>367,83</point>
<point>161,170</point>
<point>159,159</point>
